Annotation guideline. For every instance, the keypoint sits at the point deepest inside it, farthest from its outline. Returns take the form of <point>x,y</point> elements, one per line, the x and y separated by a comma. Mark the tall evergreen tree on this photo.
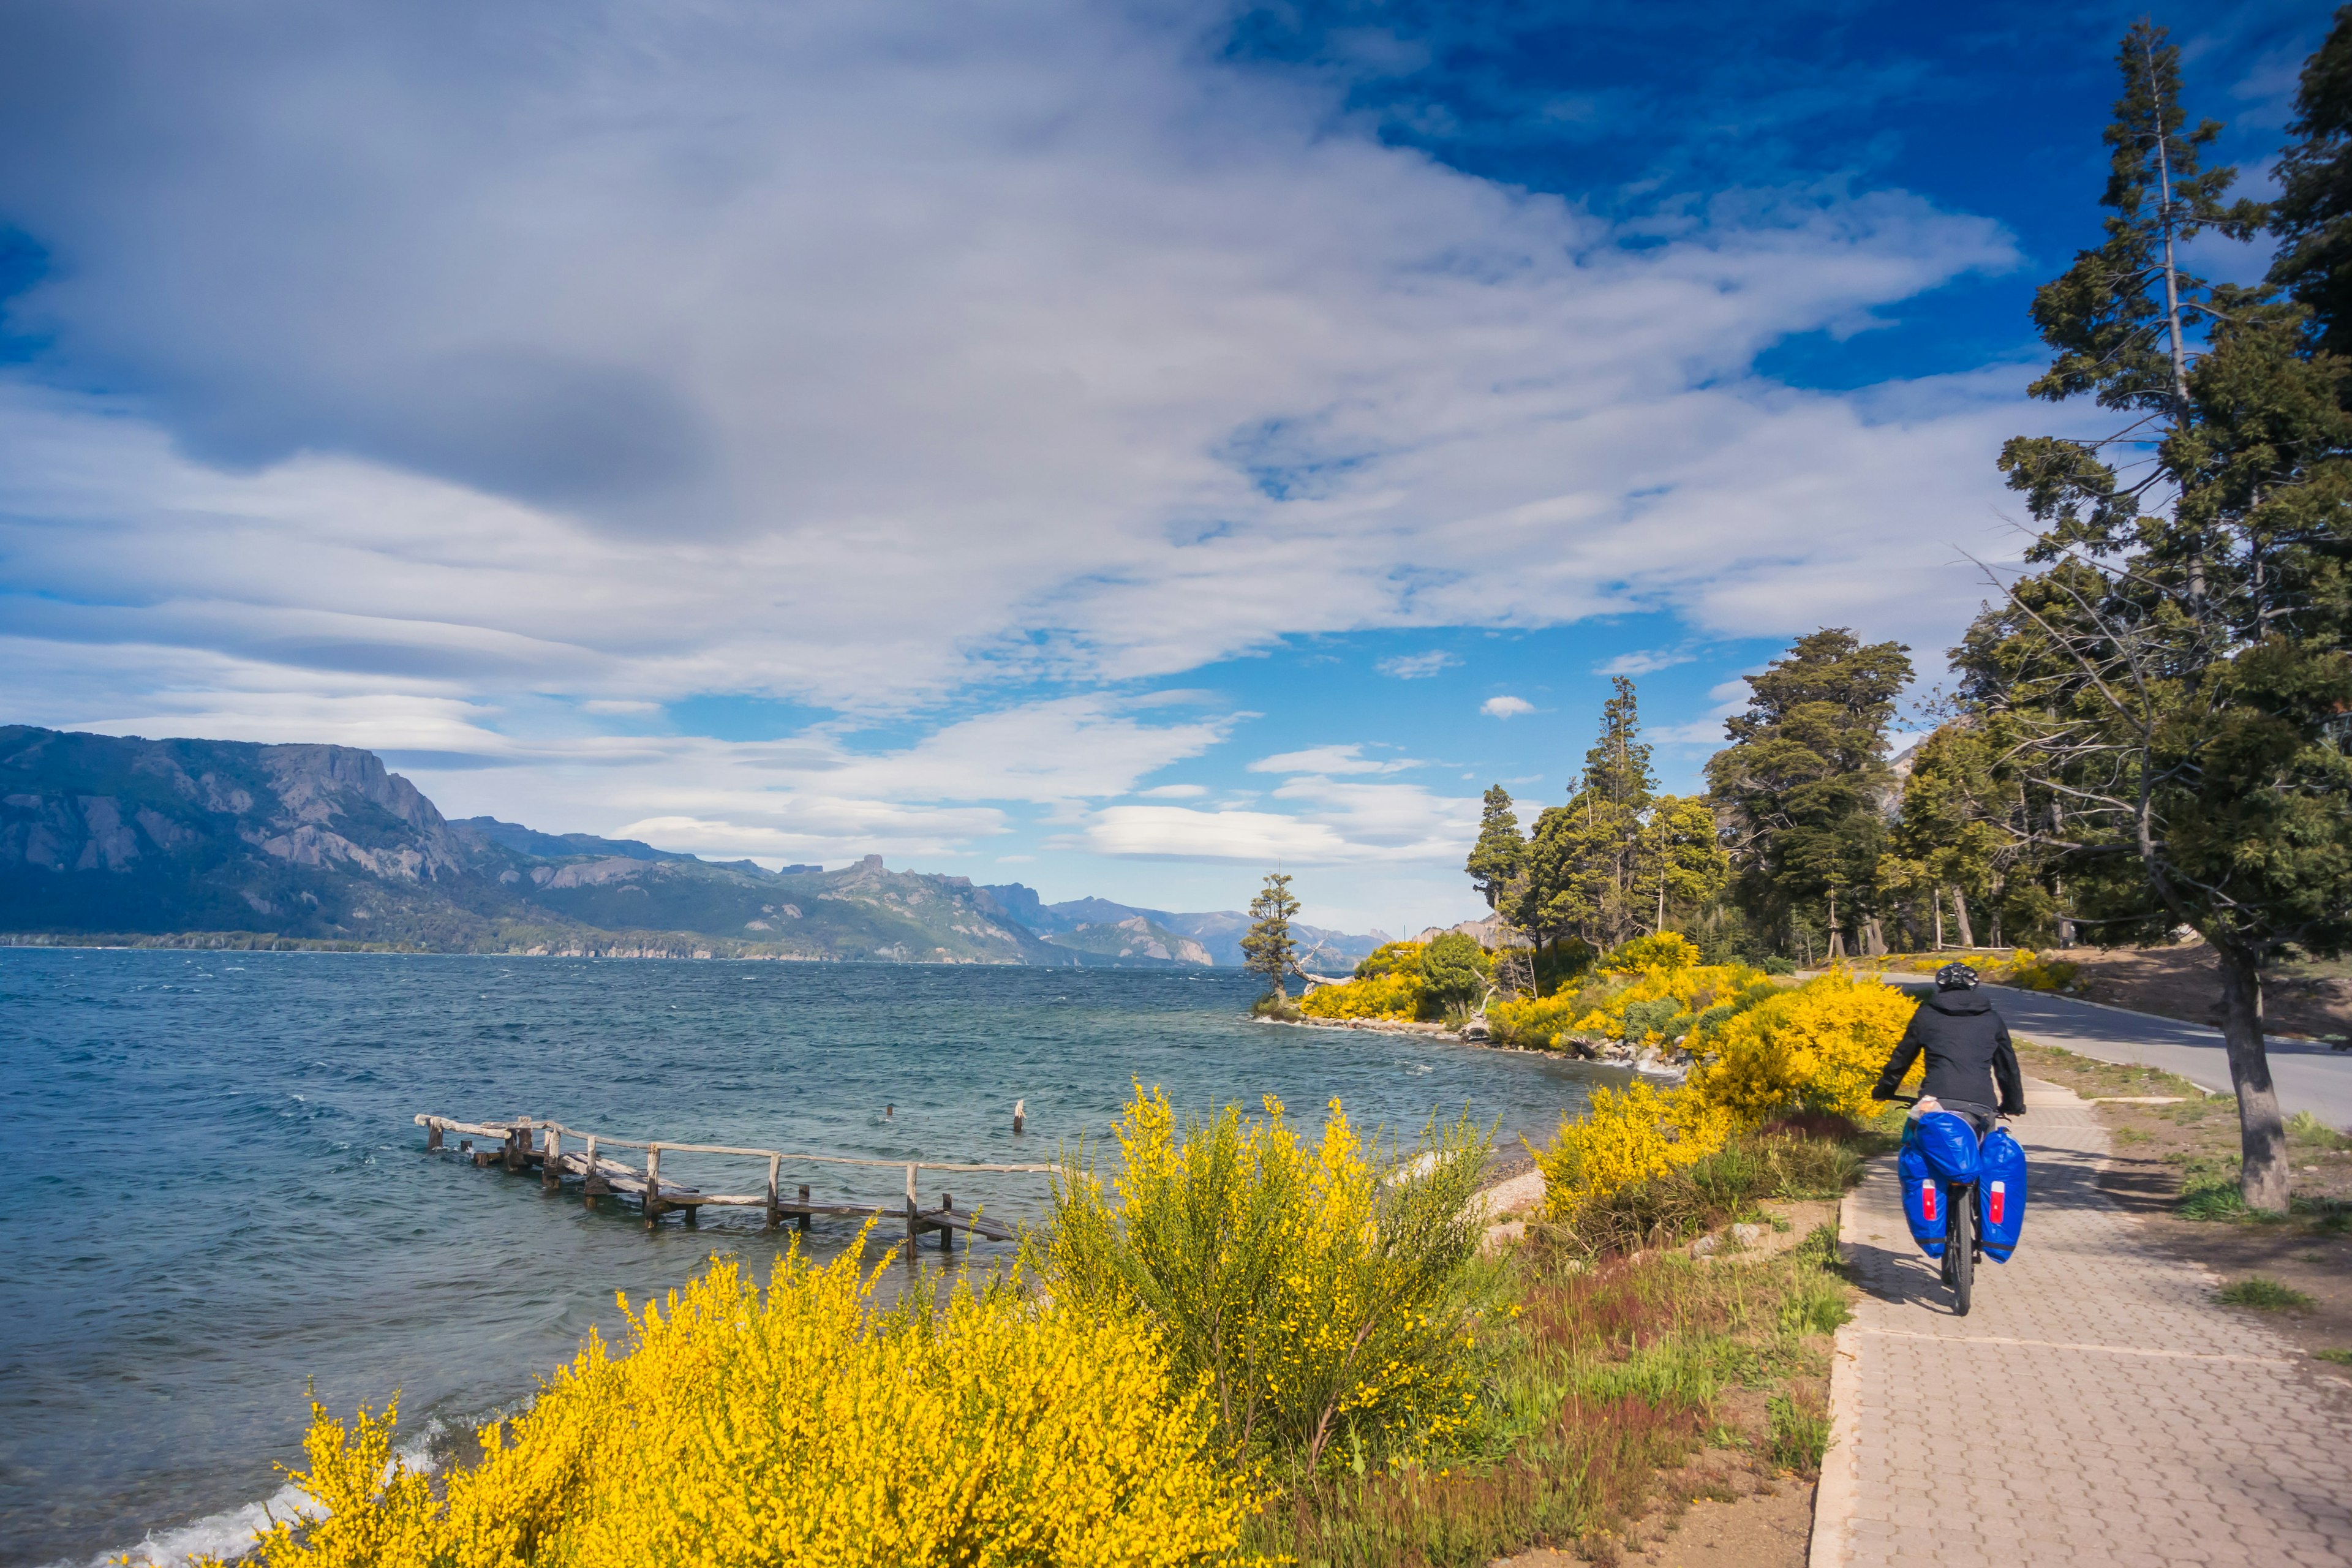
<point>2174,669</point>
<point>1580,860</point>
<point>1500,851</point>
<point>2312,214</point>
<point>1267,947</point>
<point>1803,784</point>
<point>1679,864</point>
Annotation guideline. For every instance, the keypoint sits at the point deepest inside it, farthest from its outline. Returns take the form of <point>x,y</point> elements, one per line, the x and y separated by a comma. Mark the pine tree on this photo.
<point>1268,947</point>
<point>1803,784</point>
<point>1500,851</point>
<point>1679,864</point>
<point>2177,670</point>
<point>1580,860</point>
<point>2312,214</point>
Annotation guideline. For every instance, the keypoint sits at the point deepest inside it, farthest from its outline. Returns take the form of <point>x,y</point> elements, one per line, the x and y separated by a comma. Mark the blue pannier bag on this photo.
<point>2000,1193</point>
<point>1936,1148</point>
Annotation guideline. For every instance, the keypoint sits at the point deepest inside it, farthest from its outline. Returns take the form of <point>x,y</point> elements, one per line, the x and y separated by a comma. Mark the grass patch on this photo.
<point>2308,1134</point>
<point>2262,1294</point>
<point>2341,1358</point>
<point>2130,1135</point>
<point>1610,1370</point>
<point>1800,1433</point>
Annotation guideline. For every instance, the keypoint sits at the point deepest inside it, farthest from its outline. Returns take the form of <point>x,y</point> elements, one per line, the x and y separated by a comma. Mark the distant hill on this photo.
<point>1218,932</point>
<point>127,838</point>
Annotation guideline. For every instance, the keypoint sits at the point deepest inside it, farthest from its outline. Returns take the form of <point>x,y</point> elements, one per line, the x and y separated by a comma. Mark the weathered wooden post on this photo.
<point>914,1225</point>
<point>653,1184</point>
<point>804,1208</point>
<point>1017,1105</point>
<point>775,1217</point>
<point>947,1231</point>
<point>550,1161</point>
<point>595,1185</point>
<point>517,1144</point>
<point>431,1135</point>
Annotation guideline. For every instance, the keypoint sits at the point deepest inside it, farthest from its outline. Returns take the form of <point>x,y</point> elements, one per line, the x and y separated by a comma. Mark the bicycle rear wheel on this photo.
<point>1961,1245</point>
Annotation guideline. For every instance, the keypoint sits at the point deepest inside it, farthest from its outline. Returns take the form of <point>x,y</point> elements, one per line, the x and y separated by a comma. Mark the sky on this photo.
<point>1117,448</point>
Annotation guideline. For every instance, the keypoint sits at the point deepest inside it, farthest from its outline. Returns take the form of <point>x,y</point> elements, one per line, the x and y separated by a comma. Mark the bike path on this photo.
<point>2096,1407</point>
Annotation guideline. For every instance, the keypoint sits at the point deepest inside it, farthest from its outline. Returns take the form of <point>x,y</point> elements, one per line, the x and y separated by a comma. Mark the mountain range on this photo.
<point>119,839</point>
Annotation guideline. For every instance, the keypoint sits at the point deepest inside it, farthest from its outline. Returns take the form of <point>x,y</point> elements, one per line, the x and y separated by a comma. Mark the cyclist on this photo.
<point>1967,1053</point>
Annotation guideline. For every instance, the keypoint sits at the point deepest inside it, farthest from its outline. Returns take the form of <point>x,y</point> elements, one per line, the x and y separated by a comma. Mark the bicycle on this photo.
<point>1964,1198</point>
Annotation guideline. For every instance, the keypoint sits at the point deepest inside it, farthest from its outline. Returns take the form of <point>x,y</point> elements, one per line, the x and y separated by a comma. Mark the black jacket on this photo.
<point>1967,1047</point>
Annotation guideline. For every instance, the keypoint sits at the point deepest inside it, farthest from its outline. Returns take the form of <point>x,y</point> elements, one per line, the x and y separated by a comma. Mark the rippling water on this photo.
<point>217,1195</point>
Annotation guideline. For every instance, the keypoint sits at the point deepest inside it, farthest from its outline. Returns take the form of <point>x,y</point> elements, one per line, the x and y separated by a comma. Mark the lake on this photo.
<point>220,1197</point>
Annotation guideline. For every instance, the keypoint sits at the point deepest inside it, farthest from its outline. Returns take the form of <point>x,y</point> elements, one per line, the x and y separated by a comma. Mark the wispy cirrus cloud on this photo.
<point>1417,666</point>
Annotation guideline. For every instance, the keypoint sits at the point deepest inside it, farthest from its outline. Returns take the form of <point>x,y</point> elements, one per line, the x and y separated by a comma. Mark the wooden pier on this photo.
<point>560,1154</point>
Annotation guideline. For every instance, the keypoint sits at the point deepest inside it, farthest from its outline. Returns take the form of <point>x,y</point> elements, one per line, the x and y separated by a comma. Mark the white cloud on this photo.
<point>1644,661</point>
<point>618,705</point>
<point>1173,792</point>
<point>1347,759</point>
<point>854,353</point>
<point>1417,666</point>
<point>1505,707</point>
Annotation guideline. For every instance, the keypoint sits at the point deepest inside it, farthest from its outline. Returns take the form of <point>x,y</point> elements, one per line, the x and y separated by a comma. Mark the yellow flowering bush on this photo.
<point>1815,1046</point>
<point>1669,1003</point>
<point>1626,1136</point>
<point>1543,1021</point>
<point>1668,950</point>
<point>1396,994</point>
<point>1324,1308</point>
<point>803,1426</point>
<point>1818,1046</point>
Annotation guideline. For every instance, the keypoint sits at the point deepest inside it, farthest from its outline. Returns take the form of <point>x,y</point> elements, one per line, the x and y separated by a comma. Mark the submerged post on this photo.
<point>914,1226</point>
<point>431,1135</point>
<point>594,1182</point>
<point>804,1208</point>
<point>947,1231</point>
<point>774,1218</point>
<point>653,1184</point>
<point>516,1159</point>
<point>550,1161</point>
<point>1017,1105</point>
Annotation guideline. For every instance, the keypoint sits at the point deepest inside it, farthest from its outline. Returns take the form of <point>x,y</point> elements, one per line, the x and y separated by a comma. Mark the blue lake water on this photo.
<point>218,1196</point>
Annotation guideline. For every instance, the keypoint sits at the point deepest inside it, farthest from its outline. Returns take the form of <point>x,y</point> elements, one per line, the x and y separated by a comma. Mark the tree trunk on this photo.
<point>1960,913</point>
<point>1873,937</point>
<point>2262,1133</point>
<point>1936,898</point>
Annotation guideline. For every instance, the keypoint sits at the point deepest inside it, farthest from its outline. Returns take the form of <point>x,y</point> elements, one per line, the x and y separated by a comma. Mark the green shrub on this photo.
<point>1453,969</point>
<point>1776,965</point>
<point>2262,1294</point>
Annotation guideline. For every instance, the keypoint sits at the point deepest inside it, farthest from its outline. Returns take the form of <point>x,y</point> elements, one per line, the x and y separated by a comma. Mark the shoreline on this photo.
<point>1631,1062</point>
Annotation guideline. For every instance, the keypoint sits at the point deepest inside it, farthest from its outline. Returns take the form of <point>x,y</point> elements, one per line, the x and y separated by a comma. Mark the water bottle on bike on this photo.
<point>1963,1175</point>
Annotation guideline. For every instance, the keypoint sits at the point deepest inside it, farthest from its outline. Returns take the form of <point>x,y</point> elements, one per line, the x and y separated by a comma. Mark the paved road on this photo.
<point>2309,1077</point>
<point>2098,1407</point>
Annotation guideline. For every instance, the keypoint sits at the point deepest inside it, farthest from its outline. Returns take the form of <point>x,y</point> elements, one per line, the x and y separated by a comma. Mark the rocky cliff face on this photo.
<point>101,834</point>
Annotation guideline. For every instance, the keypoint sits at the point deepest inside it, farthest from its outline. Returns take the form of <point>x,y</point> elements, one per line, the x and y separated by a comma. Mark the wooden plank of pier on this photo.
<point>601,1176</point>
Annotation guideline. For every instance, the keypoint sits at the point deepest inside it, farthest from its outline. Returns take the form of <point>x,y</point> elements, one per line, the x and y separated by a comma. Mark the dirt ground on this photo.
<point>2181,982</point>
<point>2166,1153</point>
<point>1722,1514</point>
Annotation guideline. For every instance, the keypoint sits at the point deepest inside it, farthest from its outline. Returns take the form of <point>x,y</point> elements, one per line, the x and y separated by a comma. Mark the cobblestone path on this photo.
<point>2097,1406</point>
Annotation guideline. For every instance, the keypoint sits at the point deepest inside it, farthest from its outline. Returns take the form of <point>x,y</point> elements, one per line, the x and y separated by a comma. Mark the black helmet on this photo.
<point>1955,977</point>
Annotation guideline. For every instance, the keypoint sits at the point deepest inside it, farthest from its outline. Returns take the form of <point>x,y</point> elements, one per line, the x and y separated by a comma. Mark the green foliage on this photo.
<point>1453,969</point>
<point>2262,1294</point>
<point>2312,214</point>
<point>1501,851</point>
<point>1581,868</point>
<point>1801,783</point>
<point>1268,948</point>
<point>2176,673</point>
<point>1800,1433</point>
